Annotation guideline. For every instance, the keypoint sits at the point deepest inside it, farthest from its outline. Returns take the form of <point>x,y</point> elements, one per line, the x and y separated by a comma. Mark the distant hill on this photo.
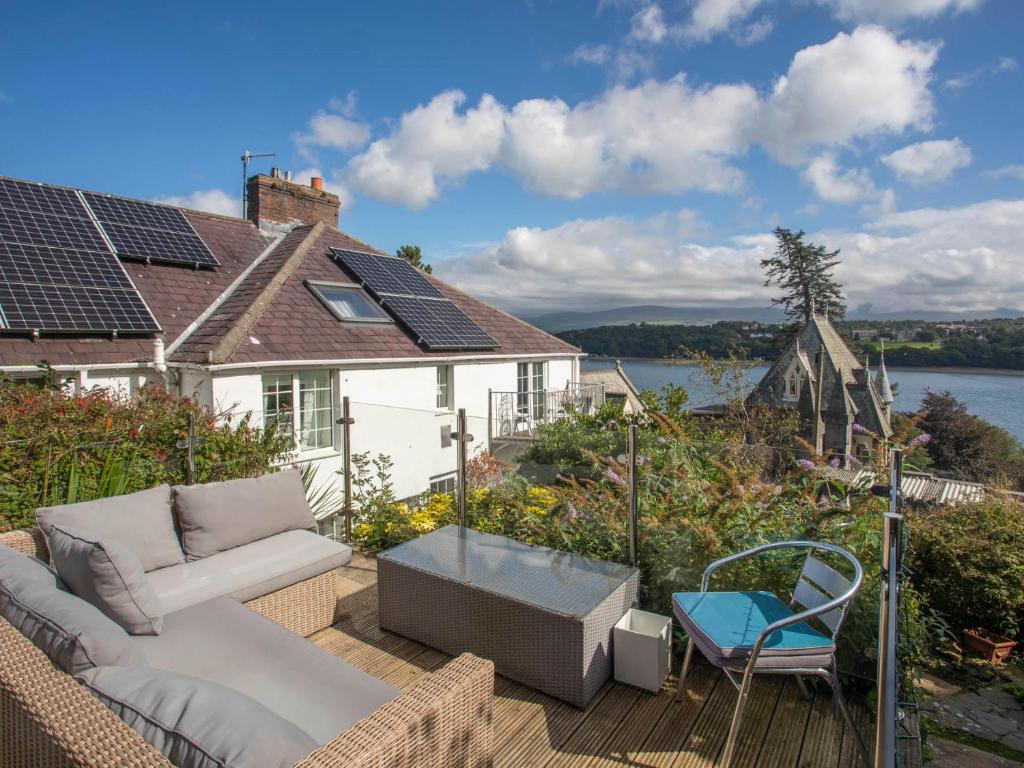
<point>565,321</point>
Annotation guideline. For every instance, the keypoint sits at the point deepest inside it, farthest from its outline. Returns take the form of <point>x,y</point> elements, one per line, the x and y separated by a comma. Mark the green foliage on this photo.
<point>58,448</point>
<point>968,563</point>
<point>414,256</point>
<point>804,273</point>
<point>666,341</point>
<point>966,447</point>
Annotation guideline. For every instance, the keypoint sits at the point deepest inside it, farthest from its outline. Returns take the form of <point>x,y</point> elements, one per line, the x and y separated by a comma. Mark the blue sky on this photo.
<point>553,155</point>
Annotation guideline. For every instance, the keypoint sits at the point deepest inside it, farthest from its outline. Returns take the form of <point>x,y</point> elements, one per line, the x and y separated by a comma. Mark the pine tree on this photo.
<point>414,256</point>
<point>804,273</point>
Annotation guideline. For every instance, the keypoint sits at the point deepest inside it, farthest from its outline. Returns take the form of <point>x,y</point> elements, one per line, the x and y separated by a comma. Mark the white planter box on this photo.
<point>642,643</point>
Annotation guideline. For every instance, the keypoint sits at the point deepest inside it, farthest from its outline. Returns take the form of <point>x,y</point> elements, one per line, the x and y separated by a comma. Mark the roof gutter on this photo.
<point>377,361</point>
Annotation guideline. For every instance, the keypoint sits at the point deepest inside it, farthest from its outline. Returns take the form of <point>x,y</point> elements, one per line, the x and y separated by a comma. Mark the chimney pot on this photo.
<point>287,175</point>
<point>275,173</point>
<point>317,183</point>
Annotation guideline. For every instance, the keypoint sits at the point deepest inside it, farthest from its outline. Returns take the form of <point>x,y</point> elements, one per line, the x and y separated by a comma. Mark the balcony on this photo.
<point>516,416</point>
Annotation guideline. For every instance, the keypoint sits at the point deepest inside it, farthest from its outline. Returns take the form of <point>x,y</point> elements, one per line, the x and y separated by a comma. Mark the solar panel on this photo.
<point>148,231</point>
<point>136,213</point>
<point>46,229</point>
<point>386,274</point>
<point>26,306</point>
<point>414,301</point>
<point>40,198</point>
<point>438,323</point>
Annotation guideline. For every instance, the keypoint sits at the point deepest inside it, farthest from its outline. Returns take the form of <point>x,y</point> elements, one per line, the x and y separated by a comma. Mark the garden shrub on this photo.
<point>968,562</point>
<point>58,448</point>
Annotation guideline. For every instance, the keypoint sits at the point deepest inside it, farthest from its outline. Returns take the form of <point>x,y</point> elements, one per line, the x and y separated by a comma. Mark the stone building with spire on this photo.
<point>819,377</point>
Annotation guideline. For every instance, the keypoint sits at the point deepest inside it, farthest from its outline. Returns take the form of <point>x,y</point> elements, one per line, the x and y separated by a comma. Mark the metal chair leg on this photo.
<point>681,688</point>
<point>802,685</point>
<point>737,718</point>
<point>838,699</point>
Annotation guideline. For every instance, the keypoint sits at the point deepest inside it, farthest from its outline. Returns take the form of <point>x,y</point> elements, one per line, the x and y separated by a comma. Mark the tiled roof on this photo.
<point>291,324</point>
<point>920,487</point>
<point>271,306</point>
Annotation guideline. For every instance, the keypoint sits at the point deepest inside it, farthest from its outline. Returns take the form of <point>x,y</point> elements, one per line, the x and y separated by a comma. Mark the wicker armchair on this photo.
<point>47,719</point>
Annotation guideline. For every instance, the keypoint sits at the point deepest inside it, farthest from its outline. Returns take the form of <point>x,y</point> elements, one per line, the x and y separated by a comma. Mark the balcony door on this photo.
<point>530,387</point>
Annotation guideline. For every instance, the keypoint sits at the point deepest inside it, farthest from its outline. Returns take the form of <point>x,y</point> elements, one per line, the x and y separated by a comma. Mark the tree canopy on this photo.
<point>804,273</point>
<point>414,256</point>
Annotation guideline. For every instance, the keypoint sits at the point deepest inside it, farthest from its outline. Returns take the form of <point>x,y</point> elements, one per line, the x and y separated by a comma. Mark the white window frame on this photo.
<point>315,288</point>
<point>444,398</point>
<point>296,394</point>
<point>531,386</point>
<point>445,483</point>
<point>539,375</point>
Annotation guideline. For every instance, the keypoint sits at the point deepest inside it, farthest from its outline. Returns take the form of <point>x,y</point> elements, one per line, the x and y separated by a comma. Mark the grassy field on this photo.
<point>910,345</point>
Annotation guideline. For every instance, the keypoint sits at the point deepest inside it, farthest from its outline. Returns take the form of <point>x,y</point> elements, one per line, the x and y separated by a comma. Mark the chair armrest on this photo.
<point>858,570</point>
<point>444,722</point>
<point>28,541</point>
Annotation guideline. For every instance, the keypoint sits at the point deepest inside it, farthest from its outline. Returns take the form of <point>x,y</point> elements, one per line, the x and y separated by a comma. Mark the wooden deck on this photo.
<point>621,726</point>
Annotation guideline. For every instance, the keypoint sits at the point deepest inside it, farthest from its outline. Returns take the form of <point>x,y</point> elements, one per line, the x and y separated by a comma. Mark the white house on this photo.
<point>264,316</point>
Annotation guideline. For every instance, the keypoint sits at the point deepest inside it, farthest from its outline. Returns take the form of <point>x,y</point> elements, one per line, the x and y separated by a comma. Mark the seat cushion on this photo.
<point>215,517</point>
<point>195,723</point>
<point>725,626</point>
<point>75,635</point>
<point>140,521</point>
<point>249,571</point>
<point>21,569</point>
<point>226,643</point>
<point>107,574</point>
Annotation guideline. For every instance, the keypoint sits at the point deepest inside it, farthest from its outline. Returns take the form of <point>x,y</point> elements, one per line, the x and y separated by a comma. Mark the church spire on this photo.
<point>882,383</point>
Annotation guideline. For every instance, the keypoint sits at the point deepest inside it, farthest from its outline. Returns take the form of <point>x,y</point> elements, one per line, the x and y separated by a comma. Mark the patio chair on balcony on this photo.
<point>748,633</point>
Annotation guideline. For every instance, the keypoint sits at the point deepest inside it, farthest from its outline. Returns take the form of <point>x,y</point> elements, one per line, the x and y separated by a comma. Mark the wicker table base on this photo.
<point>543,617</point>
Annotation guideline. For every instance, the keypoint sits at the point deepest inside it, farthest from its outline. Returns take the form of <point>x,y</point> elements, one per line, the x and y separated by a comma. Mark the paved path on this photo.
<point>990,713</point>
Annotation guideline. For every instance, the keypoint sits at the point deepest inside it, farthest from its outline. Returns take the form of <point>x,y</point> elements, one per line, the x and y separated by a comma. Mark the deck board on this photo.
<point>622,725</point>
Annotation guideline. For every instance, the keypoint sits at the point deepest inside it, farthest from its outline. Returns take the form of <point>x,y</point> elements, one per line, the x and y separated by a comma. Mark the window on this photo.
<point>444,397</point>
<point>530,389</point>
<point>312,427</point>
<point>538,391</point>
<point>348,303</point>
<point>791,387</point>
<point>444,484</point>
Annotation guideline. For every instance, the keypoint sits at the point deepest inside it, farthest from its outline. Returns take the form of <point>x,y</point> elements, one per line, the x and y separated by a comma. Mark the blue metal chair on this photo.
<point>759,634</point>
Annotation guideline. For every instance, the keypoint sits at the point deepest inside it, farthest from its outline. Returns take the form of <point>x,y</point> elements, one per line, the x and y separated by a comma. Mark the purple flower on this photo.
<point>662,439</point>
<point>920,440</point>
<point>853,460</point>
<point>570,511</point>
<point>836,463</point>
<point>610,474</point>
<point>860,429</point>
<point>807,464</point>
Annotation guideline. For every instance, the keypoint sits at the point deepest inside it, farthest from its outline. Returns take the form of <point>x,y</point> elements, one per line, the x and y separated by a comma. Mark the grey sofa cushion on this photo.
<point>25,569</point>
<point>140,521</point>
<point>249,571</point>
<point>218,516</point>
<point>224,642</point>
<point>108,575</point>
<point>195,723</point>
<point>74,634</point>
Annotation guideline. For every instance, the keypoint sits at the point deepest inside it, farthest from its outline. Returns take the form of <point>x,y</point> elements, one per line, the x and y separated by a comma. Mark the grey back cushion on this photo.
<point>25,569</point>
<point>108,575</point>
<point>140,521</point>
<point>218,516</point>
<point>73,633</point>
<point>198,724</point>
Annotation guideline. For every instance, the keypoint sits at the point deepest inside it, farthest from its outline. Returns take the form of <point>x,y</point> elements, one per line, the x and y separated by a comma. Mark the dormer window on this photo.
<point>348,303</point>
<point>791,387</point>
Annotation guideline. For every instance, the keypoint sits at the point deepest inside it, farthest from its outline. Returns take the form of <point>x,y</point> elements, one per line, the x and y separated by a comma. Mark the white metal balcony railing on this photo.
<point>517,415</point>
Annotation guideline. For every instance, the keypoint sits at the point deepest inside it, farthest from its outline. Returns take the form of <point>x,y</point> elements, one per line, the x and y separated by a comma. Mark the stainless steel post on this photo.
<point>634,491</point>
<point>462,438</point>
<point>346,422</point>
<point>888,612</point>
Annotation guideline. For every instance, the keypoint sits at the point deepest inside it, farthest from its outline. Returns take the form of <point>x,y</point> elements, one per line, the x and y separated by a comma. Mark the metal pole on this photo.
<point>346,422</point>
<point>634,491</point>
<point>462,438</point>
<point>490,419</point>
<point>190,471</point>
<point>885,726</point>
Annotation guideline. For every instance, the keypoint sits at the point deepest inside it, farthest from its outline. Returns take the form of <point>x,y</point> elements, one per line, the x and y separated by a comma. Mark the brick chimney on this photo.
<point>275,201</point>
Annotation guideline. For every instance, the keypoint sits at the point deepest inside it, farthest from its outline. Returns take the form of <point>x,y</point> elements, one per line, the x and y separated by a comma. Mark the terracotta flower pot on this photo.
<point>996,648</point>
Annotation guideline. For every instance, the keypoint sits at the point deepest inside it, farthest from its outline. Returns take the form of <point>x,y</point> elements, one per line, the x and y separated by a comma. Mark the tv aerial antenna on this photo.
<point>247,156</point>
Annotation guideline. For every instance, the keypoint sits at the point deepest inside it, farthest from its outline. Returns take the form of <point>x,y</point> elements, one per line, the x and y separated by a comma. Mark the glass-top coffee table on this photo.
<point>542,616</point>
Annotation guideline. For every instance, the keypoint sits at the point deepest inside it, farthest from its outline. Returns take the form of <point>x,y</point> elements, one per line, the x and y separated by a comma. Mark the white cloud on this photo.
<point>1007,172</point>
<point>333,131</point>
<point>1005,64</point>
<point>894,11</point>
<point>648,25</point>
<point>432,144</point>
<point>209,200</point>
<point>658,136</point>
<point>958,259</point>
<point>591,54</point>
<point>854,86</point>
<point>835,185</point>
<point>929,161</point>
<point>712,17</point>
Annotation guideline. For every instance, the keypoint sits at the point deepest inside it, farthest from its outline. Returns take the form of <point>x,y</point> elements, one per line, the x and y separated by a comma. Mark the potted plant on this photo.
<point>995,647</point>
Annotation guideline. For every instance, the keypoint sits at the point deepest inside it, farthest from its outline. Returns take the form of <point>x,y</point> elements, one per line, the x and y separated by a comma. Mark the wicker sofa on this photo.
<point>47,718</point>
